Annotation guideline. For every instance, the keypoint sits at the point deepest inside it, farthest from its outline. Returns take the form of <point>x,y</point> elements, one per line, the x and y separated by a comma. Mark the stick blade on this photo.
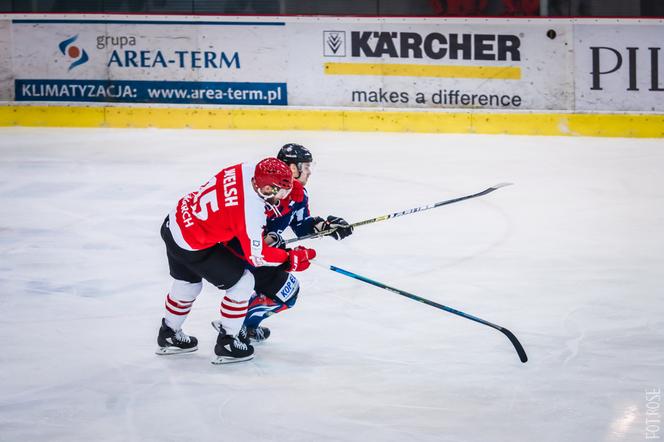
<point>499,185</point>
<point>517,345</point>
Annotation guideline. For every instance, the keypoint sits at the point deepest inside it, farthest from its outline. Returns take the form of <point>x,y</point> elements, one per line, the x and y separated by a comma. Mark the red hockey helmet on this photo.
<point>273,172</point>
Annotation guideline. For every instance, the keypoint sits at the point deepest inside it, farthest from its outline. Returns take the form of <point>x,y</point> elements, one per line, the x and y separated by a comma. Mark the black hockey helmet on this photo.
<point>293,153</point>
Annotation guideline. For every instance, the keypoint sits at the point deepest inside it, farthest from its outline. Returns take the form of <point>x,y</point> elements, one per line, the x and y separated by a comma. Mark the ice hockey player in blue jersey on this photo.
<point>292,211</point>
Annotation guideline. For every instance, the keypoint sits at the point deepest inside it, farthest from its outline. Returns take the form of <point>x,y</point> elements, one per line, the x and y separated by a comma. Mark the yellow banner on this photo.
<point>419,70</point>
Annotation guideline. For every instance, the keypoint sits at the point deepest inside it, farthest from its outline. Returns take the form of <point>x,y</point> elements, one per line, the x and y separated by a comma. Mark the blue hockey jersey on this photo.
<point>292,211</point>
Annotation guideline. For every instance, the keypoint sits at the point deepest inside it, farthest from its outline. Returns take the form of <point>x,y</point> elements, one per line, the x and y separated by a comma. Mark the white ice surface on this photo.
<point>570,259</point>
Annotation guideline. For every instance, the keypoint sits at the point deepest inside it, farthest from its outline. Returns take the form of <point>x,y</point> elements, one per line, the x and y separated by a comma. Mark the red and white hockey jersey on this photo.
<point>224,208</point>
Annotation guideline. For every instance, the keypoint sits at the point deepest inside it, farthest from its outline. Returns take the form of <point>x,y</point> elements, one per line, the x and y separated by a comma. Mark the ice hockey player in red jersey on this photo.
<point>230,207</point>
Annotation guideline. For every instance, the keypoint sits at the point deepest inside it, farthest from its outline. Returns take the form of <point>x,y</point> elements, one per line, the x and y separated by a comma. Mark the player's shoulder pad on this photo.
<point>297,193</point>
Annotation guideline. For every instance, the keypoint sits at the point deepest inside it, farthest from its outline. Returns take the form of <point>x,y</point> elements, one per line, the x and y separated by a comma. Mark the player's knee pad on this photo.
<point>185,291</point>
<point>288,290</point>
<point>242,289</point>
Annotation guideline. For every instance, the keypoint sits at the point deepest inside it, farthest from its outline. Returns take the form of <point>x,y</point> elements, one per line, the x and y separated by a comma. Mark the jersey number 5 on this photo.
<point>206,199</point>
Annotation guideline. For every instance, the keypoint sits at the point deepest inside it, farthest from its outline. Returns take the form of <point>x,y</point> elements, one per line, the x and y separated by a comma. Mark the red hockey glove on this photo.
<point>299,258</point>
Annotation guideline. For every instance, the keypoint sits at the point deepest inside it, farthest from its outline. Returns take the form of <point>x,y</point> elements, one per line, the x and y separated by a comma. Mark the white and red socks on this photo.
<point>179,302</point>
<point>233,313</point>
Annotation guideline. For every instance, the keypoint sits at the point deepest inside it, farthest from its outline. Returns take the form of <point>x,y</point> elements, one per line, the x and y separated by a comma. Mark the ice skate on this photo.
<point>247,335</point>
<point>174,342</point>
<point>230,349</point>
<point>257,335</point>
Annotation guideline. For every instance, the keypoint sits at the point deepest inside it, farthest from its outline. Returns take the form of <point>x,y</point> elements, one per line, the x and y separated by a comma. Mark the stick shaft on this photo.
<point>412,296</point>
<point>403,212</point>
<point>515,342</point>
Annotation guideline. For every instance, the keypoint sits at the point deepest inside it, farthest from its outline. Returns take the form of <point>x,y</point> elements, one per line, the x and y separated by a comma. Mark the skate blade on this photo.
<point>219,360</point>
<point>254,342</point>
<point>162,351</point>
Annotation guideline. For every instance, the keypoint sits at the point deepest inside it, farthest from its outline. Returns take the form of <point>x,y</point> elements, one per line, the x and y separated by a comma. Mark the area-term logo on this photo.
<point>76,54</point>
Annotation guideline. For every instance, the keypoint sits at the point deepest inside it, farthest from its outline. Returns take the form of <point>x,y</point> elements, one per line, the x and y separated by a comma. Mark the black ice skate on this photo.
<point>172,342</point>
<point>231,349</point>
<point>259,334</point>
<point>247,335</point>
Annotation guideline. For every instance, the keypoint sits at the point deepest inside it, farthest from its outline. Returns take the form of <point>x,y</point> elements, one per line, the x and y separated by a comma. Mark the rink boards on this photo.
<point>516,76</point>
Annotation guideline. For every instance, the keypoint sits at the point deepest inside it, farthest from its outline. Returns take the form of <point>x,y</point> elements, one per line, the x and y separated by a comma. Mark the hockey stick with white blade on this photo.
<point>402,213</point>
<point>515,342</point>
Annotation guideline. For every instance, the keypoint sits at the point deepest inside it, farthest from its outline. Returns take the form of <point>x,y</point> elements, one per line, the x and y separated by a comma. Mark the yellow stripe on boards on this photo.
<point>419,70</point>
<point>282,118</point>
<point>59,116</point>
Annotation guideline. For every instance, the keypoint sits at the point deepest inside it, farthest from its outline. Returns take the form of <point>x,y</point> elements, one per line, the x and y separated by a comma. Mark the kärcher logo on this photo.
<point>335,43</point>
<point>435,46</point>
<point>380,53</point>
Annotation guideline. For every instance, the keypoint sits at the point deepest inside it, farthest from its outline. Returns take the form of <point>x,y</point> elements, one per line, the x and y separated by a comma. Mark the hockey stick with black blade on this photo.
<point>404,212</point>
<point>515,342</point>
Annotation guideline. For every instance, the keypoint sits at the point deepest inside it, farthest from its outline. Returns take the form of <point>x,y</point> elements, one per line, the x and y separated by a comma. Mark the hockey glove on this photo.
<point>273,239</point>
<point>299,257</point>
<point>343,229</point>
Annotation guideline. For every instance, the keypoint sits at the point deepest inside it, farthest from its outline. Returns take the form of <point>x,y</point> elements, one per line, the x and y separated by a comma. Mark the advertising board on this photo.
<point>532,65</point>
<point>6,67</point>
<point>619,66</point>
<point>150,61</point>
<point>452,63</point>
